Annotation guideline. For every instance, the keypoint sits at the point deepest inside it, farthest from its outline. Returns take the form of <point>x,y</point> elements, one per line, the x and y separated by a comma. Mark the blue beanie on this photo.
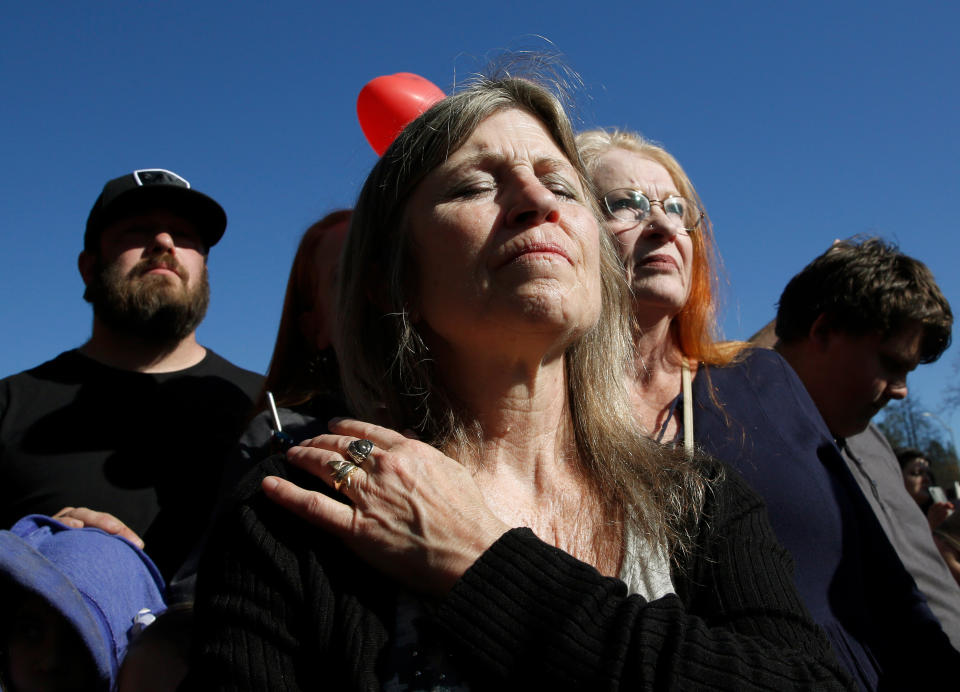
<point>98,581</point>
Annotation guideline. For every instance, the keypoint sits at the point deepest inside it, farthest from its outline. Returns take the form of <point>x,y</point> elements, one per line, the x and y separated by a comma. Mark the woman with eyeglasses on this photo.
<point>748,408</point>
<point>498,522</point>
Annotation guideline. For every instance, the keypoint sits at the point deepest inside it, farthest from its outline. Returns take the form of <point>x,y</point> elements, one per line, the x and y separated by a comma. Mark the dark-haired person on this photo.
<point>917,477</point>
<point>73,430</point>
<point>853,323</point>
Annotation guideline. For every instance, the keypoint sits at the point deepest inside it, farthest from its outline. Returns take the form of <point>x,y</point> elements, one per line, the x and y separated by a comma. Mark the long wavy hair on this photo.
<point>387,370</point>
<point>695,327</point>
<point>298,370</point>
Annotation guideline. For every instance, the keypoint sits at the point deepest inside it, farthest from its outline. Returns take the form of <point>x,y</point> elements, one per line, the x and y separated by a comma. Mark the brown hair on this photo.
<point>387,371</point>
<point>864,285</point>
<point>905,456</point>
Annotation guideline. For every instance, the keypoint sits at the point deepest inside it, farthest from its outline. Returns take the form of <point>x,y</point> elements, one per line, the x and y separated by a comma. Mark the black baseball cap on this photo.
<point>152,188</point>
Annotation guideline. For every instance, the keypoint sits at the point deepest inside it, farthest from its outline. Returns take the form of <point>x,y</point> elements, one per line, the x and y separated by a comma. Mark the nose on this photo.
<point>659,225</point>
<point>161,241</point>
<point>531,203</point>
<point>897,390</point>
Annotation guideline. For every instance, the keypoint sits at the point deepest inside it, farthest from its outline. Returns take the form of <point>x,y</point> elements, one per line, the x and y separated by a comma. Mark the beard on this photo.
<point>148,306</point>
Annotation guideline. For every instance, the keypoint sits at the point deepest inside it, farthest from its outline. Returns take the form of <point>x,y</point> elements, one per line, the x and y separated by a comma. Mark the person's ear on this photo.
<point>821,330</point>
<point>86,262</point>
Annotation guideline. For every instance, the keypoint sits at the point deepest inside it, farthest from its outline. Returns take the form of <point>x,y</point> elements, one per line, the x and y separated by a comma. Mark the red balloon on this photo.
<point>389,103</point>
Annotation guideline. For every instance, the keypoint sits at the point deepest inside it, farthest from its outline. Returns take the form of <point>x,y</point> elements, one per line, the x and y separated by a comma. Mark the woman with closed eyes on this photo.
<point>498,521</point>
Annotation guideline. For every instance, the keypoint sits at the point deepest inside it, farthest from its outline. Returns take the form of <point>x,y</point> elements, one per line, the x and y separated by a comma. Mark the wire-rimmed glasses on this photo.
<point>633,206</point>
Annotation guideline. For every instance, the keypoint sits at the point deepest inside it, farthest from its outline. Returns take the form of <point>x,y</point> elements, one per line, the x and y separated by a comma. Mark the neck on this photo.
<point>655,380</point>
<point>656,353</point>
<point>526,463</point>
<point>520,406</point>
<point>130,352</point>
<point>812,373</point>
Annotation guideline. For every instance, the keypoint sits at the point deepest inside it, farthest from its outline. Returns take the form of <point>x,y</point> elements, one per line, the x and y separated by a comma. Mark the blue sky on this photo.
<point>798,122</point>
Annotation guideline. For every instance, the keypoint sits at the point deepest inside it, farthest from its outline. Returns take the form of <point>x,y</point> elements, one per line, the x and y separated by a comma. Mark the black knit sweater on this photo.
<point>281,606</point>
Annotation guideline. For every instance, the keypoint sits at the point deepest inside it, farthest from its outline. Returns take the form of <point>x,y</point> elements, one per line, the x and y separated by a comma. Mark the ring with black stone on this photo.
<point>359,451</point>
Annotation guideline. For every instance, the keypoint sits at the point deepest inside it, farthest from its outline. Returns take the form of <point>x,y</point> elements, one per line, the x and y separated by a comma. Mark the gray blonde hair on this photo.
<point>387,371</point>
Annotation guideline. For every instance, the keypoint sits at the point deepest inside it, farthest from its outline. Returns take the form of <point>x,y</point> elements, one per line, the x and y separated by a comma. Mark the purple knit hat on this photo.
<point>99,582</point>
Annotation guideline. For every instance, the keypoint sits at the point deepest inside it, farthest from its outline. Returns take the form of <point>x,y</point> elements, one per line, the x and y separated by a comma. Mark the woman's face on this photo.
<point>657,258</point>
<point>505,245</point>
<point>916,478</point>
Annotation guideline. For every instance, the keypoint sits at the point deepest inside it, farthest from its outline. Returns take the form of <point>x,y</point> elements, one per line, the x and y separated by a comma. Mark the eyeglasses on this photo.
<point>634,206</point>
<point>159,176</point>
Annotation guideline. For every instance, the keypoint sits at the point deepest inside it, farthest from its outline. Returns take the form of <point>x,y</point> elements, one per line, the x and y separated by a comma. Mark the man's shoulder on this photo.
<point>215,365</point>
<point>751,361</point>
<point>67,364</point>
<point>44,387</point>
<point>214,360</point>
<point>756,374</point>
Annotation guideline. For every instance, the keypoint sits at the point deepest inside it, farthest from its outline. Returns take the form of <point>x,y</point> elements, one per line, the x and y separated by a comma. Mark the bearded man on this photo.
<point>130,431</point>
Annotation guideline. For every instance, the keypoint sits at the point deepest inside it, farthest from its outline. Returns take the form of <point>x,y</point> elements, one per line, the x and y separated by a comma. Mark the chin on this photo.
<point>661,305</point>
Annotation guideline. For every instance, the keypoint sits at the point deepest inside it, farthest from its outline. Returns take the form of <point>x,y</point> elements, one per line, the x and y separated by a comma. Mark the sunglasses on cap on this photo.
<point>159,176</point>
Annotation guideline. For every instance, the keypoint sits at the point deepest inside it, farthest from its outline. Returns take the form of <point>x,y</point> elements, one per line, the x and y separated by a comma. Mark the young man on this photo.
<point>853,324</point>
<point>134,426</point>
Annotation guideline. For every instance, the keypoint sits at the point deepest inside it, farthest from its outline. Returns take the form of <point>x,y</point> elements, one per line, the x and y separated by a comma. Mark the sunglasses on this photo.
<point>159,176</point>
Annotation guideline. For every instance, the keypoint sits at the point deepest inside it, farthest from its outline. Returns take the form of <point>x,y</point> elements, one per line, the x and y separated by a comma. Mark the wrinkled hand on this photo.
<point>78,517</point>
<point>416,514</point>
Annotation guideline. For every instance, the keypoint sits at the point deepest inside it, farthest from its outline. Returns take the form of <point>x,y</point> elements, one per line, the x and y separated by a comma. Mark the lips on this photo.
<point>658,261</point>
<point>524,249</point>
<point>150,266</point>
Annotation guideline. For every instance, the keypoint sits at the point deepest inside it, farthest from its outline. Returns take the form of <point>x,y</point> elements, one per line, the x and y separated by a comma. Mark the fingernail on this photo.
<point>270,483</point>
<point>334,421</point>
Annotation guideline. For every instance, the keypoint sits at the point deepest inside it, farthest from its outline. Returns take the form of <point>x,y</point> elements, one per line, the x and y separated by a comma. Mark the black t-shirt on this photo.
<point>148,448</point>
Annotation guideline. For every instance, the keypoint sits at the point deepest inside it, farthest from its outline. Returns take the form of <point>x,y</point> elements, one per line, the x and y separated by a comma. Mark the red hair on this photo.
<point>290,376</point>
<point>695,327</point>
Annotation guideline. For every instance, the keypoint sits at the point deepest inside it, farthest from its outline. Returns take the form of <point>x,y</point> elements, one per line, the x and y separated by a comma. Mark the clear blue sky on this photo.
<point>798,122</point>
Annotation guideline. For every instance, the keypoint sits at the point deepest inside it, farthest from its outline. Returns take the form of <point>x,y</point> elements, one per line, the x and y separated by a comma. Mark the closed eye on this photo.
<point>560,186</point>
<point>470,188</point>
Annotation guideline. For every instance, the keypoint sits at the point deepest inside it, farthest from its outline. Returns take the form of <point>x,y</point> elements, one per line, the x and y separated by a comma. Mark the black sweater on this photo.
<point>281,606</point>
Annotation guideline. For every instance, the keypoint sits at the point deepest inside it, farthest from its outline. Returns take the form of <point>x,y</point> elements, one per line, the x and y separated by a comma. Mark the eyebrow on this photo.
<point>483,159</point>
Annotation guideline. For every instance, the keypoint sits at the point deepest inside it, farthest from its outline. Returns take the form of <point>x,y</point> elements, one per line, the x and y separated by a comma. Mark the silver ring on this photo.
<point>341,472</point>
<point>359,451</point>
